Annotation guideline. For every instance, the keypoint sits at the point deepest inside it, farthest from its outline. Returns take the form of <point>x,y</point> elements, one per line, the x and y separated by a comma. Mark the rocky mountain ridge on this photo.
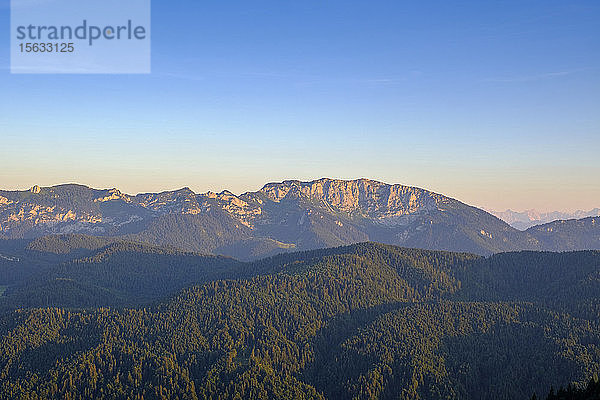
<point>53,205</point>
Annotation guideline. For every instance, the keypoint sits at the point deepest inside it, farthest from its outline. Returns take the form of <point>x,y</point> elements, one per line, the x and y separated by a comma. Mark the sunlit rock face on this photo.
<point>363,196</point>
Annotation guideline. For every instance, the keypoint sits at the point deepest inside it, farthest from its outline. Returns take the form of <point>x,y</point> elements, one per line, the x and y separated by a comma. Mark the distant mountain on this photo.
<point>281,217</point>
<point>528,218</point>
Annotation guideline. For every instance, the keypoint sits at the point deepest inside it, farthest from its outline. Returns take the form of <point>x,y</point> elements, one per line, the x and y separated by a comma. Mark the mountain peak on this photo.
<point>185,190</point>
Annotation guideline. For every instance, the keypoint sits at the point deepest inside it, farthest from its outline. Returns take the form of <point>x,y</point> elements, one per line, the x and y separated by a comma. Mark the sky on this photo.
<point>495,103</point>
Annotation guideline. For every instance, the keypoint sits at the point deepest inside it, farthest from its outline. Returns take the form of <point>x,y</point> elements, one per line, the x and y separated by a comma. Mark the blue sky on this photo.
<point>496,103</point>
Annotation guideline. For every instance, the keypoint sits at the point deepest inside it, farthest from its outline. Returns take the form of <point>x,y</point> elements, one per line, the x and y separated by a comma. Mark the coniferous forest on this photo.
<point>83,319</point>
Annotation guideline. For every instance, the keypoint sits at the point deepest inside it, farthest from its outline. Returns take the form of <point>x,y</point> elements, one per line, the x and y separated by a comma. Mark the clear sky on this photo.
<point>496,103</point>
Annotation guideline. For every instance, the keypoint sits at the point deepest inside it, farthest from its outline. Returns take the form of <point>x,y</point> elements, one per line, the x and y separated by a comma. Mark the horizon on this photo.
<point>492,104</point>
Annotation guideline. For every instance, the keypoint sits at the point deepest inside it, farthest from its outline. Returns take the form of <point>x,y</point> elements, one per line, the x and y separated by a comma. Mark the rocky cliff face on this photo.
<point>362,197</point>
<point>282,216</point>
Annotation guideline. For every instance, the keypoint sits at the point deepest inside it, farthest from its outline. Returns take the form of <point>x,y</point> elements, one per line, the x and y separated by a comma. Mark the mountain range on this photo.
<point>281,217</point>
<point>523,220</point>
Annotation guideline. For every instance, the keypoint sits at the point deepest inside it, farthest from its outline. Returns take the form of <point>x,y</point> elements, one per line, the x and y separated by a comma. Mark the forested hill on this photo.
<point>76,271</point>
<point>363,321</point>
